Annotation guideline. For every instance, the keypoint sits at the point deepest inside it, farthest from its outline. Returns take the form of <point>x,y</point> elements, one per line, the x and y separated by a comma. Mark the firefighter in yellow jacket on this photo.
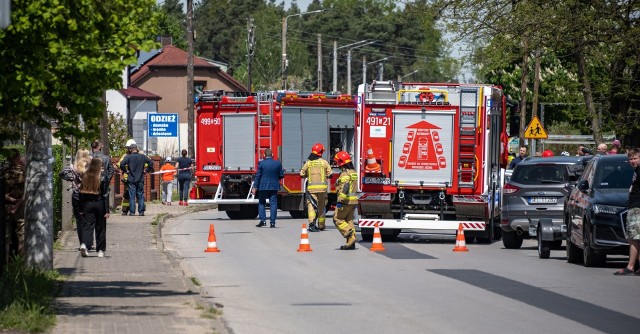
<point>346,187</point>
<point>317,171</point>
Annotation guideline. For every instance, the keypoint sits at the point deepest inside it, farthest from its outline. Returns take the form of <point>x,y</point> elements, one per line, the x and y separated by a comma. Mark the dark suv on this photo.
<point>596,209</point>
<point>536,192</point>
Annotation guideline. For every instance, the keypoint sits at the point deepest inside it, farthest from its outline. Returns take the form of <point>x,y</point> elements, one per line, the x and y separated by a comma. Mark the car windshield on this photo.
<point>540,174</point>
<point>613,175</point>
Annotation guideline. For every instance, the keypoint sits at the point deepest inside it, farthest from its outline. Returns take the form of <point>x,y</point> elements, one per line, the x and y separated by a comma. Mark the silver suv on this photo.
<point>536,192</point>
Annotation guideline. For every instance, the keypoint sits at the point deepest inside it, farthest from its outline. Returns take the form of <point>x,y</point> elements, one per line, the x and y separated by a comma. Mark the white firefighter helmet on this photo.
<point>129,143</point>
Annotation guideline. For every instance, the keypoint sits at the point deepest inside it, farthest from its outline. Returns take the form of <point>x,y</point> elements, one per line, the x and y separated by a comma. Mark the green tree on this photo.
<point>59,56</point>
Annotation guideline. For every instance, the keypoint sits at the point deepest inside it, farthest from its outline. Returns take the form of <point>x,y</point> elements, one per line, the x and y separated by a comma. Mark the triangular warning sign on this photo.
<point>535,130</point>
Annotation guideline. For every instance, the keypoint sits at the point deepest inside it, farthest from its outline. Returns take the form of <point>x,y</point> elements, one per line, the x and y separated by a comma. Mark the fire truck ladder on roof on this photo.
<point>265,117</point>
<point>468,125</point>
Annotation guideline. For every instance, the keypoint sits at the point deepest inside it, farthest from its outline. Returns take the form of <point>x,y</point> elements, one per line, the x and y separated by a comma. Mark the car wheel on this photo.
<point>544,247</point>
<point>590,257</point>
<point>511,240</point>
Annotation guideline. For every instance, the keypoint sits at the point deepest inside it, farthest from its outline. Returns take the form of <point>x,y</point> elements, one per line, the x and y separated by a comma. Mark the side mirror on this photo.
<point>583,185</point>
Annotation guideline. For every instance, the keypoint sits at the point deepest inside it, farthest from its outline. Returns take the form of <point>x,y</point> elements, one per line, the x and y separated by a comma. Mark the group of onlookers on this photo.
<point>90,178</point>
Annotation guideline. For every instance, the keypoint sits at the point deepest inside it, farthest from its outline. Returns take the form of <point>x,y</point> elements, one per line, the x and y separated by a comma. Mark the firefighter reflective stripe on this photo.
<point>317,176</point>
<point>346,185</point>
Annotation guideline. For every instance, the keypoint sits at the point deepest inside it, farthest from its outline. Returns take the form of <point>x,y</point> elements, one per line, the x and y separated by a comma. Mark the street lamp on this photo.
<point>284,44</point>
<point>349,63</point>
<point>364,68</point>
<point>406,75</point>
<point>335,59</point>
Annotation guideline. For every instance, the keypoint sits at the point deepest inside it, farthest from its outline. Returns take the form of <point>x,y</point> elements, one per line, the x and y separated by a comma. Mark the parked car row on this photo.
<point>579,199</point>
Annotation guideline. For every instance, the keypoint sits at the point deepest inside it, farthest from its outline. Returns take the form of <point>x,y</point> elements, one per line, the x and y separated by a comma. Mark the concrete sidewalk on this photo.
<point>135,288</point>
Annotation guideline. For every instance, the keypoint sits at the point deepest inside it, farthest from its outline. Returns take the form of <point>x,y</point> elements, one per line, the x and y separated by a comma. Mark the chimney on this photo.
<point>165,40</point>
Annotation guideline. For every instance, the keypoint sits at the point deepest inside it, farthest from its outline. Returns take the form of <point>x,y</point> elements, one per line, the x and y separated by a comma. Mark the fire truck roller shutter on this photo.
<point>239,141</point>
<point>315,129</point>
<point>292,150</point>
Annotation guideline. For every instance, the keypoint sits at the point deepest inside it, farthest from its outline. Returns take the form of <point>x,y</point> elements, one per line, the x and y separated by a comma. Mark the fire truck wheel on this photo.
<point>298,214</point>
<point>366,234</point>
<point>250,212</point>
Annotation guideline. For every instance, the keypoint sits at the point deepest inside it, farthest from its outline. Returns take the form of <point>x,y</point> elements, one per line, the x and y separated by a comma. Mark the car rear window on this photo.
<point>613,175</point>
<point>540,174</point>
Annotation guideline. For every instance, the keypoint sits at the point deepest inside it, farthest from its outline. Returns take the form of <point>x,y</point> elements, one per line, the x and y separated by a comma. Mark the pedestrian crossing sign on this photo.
<point>535,130</point>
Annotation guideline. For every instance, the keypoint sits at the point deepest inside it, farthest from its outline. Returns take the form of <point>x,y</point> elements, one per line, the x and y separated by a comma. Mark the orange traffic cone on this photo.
<point>211,244</point>
<point>376,246</point>
<point>461,244</point>
<point>372,164</point>
<point>304,240</point>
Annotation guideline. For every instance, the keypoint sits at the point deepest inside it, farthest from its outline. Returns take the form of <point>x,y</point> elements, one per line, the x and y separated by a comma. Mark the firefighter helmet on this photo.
<point>129,143</point>
<point>342,158</point>
<point>317,149</point>
<point>547,153</point>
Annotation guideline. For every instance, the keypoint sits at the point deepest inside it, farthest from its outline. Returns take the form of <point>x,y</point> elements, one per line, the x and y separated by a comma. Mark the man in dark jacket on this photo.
<point>522,154</point>
<point>267,184</point>
<point>136,165</point>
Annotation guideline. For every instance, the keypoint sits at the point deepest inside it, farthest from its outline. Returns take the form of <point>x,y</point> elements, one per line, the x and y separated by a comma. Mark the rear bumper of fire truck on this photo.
<point>422,222</point>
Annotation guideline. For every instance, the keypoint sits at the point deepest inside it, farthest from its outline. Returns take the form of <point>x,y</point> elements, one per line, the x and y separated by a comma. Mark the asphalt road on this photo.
<point>417,285</point>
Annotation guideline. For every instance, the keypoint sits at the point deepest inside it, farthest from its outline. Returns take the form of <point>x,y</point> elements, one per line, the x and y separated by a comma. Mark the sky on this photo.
<point>302,4</point>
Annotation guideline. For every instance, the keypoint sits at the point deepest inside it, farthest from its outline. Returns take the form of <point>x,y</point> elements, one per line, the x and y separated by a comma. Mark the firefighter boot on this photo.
<point>313,228</point>
<point>321,225</point>
<point>351,241</point>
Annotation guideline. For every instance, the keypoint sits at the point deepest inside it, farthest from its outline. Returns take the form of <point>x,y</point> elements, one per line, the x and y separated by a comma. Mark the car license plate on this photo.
<point>543,200</point>
<point>376,180</point>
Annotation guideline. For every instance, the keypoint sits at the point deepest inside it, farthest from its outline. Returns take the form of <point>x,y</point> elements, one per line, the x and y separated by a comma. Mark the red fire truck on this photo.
<point>234,129</point>
<point>430,158</point>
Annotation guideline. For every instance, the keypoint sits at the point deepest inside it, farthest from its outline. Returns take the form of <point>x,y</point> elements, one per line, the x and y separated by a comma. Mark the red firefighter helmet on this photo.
<point>317,149</point>
<point>342,158</point>
<point>547,153</point>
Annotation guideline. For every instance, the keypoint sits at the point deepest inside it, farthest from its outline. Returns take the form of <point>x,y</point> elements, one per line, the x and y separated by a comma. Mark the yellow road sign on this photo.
<point>535,130</point>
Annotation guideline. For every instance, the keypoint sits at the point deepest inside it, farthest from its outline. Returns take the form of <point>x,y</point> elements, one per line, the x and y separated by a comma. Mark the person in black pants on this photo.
<point>94,207</point>
<point>137,165</point>
<point>183,165</point>
<point>267,184</point>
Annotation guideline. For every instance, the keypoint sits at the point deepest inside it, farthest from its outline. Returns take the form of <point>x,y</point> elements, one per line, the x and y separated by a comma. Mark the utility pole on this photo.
<point>319,62</point>
<point>335,66</point>
<point>190,116</point>
<point>250,48</point>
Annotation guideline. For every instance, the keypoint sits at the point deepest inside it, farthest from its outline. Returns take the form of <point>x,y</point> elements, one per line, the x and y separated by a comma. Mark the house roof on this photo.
<point>134,93</point>
<point>172,56</point>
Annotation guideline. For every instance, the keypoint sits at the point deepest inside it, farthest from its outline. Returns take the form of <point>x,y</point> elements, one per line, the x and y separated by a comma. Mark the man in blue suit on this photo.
<point>267,184</point>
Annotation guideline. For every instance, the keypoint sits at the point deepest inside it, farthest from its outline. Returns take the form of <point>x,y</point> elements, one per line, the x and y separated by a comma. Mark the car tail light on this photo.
<point>509,189</point>
<point>203,178</point>
<point>504,222</point>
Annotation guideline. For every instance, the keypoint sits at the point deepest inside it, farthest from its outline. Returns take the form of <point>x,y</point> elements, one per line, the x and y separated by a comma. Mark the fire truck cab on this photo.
<point>431,158</point>
<point>233,130</point>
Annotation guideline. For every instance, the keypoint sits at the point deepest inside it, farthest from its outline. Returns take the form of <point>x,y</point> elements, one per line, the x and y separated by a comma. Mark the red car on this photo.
<point>410,135</point>
<point>439,149</point>
<point>403,161</point>
<point>435,135</point>
<point>442,162</point>
<point>406,148</point>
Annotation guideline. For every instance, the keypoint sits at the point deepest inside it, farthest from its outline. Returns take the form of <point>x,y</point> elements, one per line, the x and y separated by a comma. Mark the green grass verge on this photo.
<point>26,297</point>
